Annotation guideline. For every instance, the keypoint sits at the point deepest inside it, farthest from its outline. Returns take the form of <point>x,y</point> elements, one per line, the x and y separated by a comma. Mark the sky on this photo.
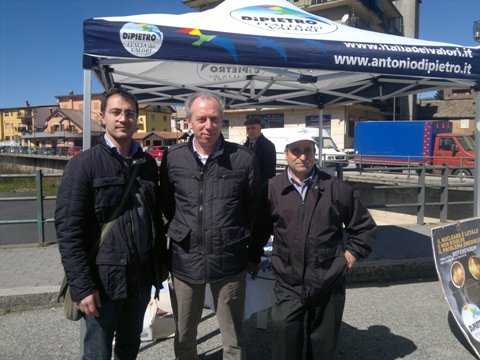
<point>41,41</point>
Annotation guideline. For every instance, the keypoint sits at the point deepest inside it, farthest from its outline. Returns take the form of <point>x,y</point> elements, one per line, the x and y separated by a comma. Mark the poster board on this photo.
<point>456,250</point>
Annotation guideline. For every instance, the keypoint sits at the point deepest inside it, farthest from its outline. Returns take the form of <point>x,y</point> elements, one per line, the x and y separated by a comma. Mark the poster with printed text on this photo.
<point>456,250</point>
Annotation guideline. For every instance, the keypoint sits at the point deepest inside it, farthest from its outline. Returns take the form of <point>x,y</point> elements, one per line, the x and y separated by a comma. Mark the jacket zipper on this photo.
<point>305,248</point>
<point>202,221</point>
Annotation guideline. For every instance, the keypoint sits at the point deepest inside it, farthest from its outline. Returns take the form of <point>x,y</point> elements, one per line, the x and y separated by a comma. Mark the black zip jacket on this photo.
<point>134,251</point>
<point>211,210</point>
<point>267,157</point>
<point>311,235</point>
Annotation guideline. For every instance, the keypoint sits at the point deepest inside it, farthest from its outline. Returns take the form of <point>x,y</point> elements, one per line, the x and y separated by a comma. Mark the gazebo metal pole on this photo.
<point>320,137</point>
<point>87,97</point>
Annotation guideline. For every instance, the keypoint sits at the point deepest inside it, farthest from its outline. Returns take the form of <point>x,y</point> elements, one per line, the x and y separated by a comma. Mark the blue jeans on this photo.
<point>120,318</point>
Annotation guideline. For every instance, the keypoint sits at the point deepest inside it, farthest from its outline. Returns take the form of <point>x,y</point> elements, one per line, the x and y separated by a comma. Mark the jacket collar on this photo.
<point>319,176</point>
<point>219,147</point>
<point>258,140</point>
<point>114,152</point>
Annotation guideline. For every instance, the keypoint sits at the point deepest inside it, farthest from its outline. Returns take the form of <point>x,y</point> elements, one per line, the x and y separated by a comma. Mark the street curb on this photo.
<point>27,298</point>
<point>384,271</point>
<point>372,271</point>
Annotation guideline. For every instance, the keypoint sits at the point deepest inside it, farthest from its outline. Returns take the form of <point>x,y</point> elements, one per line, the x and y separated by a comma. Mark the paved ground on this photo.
<point>29,276</point>
<point>407,321</point>
<point>29,267</point>
<point>402,321</point>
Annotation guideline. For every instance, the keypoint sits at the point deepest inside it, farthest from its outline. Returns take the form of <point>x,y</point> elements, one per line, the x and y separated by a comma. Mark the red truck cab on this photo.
<point>456,151</point>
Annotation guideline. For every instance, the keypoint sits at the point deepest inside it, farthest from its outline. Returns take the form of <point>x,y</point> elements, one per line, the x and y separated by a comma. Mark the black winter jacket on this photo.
<point>211,209</point>
<point>133,251</point>
<point>309,240</point>
<point>267,157</point>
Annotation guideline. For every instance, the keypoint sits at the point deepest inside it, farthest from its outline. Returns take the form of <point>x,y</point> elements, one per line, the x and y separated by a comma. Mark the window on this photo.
<point>460,91</point>
<point>226,128</point>
<point>312,121</point>
<point>446,144</point>
<point>269,120</point>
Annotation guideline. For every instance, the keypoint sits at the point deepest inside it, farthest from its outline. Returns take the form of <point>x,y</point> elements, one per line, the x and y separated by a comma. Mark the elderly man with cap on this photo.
<point>262,147</point>
<point>320,229</point>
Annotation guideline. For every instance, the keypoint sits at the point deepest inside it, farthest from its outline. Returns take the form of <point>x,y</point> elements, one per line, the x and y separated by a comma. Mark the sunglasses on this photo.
<point>298,151</point>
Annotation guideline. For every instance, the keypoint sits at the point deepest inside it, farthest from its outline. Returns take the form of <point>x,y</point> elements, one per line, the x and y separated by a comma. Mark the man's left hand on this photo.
<point>351,260</point>
<point>252,269</point>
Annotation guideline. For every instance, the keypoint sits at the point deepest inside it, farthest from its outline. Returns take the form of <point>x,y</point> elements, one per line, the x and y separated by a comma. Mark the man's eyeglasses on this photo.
<point>129,114</point>
<point>299,151</point>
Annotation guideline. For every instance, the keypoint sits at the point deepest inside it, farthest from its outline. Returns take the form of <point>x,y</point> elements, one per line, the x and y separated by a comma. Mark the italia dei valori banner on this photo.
<point>457,259</point>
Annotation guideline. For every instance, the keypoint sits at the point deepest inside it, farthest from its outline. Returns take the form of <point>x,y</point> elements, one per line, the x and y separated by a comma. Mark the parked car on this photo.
<point>157,152</point>
<point>331,156</point>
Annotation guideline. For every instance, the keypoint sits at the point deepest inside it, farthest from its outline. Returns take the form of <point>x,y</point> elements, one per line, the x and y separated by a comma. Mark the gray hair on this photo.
<point>203,95</point>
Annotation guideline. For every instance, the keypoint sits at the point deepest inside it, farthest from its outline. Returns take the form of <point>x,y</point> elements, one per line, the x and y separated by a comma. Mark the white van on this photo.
<point>330,153</point>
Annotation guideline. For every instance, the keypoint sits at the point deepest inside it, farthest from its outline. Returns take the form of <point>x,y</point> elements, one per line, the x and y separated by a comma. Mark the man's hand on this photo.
<point>252,268</point>
<point>90,304</point>
<point>351,260</point>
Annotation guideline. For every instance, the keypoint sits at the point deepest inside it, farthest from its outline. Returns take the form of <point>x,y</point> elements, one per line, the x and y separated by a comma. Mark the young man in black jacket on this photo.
<point>263,148</point>
<point>112,285</point>
<point>320,229</point>
<point>211,196</point>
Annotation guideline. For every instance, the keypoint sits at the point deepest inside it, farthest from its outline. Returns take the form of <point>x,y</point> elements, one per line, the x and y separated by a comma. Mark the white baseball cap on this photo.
<point>300,135</point>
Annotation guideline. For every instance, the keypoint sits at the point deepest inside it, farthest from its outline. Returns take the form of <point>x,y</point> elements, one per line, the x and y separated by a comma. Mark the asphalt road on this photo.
<point>406,321</point>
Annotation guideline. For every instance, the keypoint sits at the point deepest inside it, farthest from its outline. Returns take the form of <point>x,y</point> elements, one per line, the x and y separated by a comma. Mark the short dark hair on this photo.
<point>203,95</point>
<point>253,121</point>
<point>117,91</point>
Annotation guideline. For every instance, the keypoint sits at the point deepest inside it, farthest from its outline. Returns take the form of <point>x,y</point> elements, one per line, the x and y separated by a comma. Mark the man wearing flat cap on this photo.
<point>320,229</point>
<point>262,147</point>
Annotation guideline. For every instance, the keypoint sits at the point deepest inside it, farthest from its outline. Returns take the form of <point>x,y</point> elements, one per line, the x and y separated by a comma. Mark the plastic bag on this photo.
<point>158,323</point>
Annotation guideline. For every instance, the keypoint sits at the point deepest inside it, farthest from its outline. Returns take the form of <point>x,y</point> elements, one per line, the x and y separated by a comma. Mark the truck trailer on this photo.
<point>404,143</point>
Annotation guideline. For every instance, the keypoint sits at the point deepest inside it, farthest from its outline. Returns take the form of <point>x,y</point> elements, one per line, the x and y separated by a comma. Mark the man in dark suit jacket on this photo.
<point>263,148</point>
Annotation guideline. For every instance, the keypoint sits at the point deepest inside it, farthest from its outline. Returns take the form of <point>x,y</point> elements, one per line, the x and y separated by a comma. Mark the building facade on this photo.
<point>15,122</point>
<point>150,118</point>
<point>154,118</point>
<point>456,105</point>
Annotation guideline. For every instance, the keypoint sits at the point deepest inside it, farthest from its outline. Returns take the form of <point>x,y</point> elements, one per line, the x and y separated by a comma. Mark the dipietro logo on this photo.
<point>221,72</point>
<point>283,19</point>
<point>141,40</point>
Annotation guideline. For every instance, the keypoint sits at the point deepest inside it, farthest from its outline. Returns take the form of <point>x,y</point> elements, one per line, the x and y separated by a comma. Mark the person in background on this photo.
<point>263,148</point>
<point>211,194</point>
<point>320,229</point>
<point>112,287</point>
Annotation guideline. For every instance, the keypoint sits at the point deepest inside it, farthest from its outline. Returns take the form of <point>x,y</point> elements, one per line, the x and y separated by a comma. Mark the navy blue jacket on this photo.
<point>211,210</point>
<point>132,253</point>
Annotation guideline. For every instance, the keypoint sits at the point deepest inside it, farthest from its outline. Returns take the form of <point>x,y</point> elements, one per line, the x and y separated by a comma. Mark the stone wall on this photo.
<point>25,164</point>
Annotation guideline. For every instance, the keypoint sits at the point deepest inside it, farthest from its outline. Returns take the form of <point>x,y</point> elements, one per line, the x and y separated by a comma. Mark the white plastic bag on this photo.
<point>158,321</point>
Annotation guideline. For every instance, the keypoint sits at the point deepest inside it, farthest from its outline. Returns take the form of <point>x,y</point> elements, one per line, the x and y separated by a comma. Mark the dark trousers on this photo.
<point>122,319</point>
<point>306,332</point>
